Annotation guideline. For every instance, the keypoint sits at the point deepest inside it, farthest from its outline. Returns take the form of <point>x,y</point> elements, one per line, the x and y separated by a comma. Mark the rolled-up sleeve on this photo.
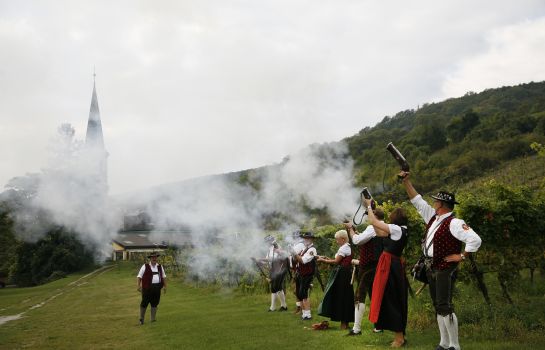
<point>309,255</point>
<point>464,233</point>
<point>141,272</point>
<point>425,210</point>
<point>365,236</point>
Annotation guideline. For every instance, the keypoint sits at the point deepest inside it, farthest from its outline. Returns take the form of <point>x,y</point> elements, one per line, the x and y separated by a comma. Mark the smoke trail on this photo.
<point>227,217</point>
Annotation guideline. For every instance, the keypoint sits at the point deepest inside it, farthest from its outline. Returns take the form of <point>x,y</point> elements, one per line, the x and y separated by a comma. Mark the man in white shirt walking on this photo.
<point>150,280</point>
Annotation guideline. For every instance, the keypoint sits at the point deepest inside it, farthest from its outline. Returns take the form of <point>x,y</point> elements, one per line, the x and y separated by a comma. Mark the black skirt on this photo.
<point>338,301</point>
<point>394,307</point>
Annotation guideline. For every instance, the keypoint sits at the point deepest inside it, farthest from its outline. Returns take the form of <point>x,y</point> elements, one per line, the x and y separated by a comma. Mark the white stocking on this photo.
<point>282,298</point>
<point>452,328</point>
<point>359,309</point>
<point>273,302</point>
<point>443,331</point>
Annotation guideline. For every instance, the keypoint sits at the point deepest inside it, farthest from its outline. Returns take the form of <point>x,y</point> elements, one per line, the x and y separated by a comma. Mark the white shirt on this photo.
<point>297,249</point>
<point>309,254</point>
<point>155,278</point>
<point>458,227</point>
<point>344,250</point>
<point>367,234</point>
<point>274,253</point>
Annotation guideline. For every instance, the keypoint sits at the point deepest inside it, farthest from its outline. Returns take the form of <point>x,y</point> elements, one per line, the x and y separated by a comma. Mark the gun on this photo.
<point>398,157</point>
<point>260,269</point>
<point>480,280</point>
<point>367,195</point>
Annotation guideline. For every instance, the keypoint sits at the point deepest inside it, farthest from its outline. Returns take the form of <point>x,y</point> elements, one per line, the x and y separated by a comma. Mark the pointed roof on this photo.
<point>94,126</point>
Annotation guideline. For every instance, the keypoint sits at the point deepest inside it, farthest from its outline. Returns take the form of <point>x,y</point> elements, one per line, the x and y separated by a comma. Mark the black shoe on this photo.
<point>353,333</point>
<point>269,310</point>
<point>377,330</point>
<point>141,321</point>
<point>306,318</point>
<point>283,308</point>
<point>439,347</point>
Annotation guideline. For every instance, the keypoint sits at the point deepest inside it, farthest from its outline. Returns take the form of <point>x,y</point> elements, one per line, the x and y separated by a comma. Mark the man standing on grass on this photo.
<point>306,266</point>
<point>278,262</point>
<point>370,247</point>
<point>442,249</point>
<point>296,247</point>
<point>150,280</point>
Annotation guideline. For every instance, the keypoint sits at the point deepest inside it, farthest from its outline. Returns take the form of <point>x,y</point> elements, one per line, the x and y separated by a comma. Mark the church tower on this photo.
<point>94,143</point>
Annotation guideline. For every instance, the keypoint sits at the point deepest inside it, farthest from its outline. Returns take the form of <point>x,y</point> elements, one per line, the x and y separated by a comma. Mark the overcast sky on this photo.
<point>191,88</point>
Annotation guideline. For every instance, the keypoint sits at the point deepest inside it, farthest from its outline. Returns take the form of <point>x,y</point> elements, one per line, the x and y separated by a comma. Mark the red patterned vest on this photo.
<point>346,261</point>
<point>308,268</point>
<point>148,275</point>
<point>444,244</point>
<point>370,252</point>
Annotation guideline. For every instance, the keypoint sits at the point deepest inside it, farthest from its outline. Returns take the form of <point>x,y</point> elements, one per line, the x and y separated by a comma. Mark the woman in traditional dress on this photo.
<point>338,301</point>
<point>390,287</point>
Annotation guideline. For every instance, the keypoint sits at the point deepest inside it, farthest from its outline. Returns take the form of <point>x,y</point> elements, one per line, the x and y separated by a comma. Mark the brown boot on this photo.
<point>297,310</point>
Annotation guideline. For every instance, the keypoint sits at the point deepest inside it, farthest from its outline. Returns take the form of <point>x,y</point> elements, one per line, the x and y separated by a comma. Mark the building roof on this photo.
<point>137,239</point>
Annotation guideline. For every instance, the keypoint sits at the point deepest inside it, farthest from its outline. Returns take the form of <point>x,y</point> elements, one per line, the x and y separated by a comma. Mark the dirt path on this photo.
<point>79,282</point>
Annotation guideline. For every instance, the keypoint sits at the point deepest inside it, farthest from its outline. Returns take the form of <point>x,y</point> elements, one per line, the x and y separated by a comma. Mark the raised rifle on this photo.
<point>367,195</point>
<point>318,275</point>
<point>260,269</point>
<point>403,164</point>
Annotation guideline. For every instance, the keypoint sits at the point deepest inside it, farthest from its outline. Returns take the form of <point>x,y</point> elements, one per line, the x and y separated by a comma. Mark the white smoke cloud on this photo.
<point>70,192</point>
<point>226,218</point>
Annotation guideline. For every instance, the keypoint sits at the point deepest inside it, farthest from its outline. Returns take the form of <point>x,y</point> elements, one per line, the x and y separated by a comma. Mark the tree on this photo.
<point>459,127</point>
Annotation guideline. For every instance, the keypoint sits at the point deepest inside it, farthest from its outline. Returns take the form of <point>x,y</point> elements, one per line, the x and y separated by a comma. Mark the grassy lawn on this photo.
<point>101,312</point>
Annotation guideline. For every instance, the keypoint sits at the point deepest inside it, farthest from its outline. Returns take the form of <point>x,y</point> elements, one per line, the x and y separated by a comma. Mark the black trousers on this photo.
<point>277,281</point>
<point>151,295</point>
<point>366,276</point>
<point>441,288</point>
<point>303,286</point>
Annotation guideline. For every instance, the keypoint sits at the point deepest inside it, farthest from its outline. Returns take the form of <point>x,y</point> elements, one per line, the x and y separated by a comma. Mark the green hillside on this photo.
<point>450,143</point>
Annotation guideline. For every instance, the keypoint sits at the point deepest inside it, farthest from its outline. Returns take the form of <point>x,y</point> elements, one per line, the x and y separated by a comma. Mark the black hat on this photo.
<point>153,254</point>
<point>307,235</point>
<point>446,197</point>
<point>296,234</point>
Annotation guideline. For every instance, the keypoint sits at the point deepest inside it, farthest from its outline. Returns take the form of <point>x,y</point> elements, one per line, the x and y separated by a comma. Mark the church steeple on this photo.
<point>94,136</point>
<point>94,142</point>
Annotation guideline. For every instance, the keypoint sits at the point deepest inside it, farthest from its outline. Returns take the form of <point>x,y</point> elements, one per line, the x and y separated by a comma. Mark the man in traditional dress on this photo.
<point>370,247</point>
<point>296,247</point>
<point>278,268</point>
<point>306,266</point>
<point>150,280</point>
<point>442,249</point>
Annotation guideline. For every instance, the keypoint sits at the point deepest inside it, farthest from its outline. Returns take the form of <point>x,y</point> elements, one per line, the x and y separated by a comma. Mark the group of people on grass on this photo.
<point>381,268</point>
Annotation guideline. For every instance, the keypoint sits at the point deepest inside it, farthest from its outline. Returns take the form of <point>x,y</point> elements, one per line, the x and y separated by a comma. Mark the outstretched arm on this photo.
<point>326,260</point>
<point>408,184</point>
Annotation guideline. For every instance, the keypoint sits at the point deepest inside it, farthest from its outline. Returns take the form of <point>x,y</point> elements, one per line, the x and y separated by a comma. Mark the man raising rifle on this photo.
<point>442,249</point>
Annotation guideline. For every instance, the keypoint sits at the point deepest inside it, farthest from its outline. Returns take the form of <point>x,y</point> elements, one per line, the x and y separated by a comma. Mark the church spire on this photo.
<point>94,136</point>
<point>94,142</point>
